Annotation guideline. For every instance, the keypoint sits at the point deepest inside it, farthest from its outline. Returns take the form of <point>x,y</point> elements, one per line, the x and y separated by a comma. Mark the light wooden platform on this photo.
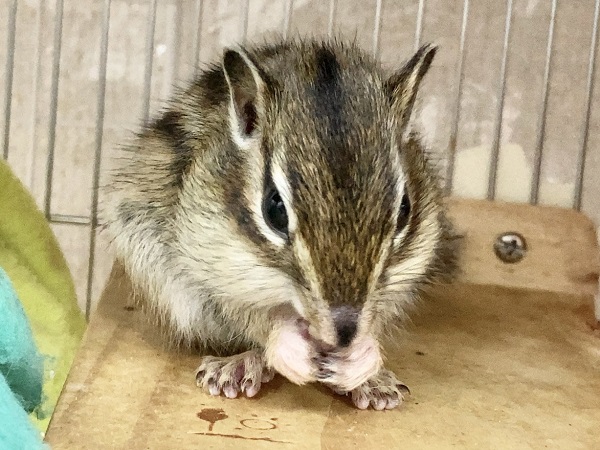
<point>509,357</point>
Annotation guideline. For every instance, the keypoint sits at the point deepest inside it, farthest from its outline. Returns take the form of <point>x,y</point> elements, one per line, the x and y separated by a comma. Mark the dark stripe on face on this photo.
<point>416,217</point>
<point>398,254</point>
<point>170,126</point>
<point>328,105</point>
<point>327,93</point>
<point>214,86</point>
<point>234,174</point>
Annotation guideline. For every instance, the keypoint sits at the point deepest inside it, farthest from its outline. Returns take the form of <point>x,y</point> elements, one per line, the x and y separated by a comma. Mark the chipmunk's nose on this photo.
<point>345,320</point>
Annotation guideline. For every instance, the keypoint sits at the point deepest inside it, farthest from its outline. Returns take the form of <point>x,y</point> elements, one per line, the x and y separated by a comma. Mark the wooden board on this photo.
<point>509,357</point>
<point>563,253</point>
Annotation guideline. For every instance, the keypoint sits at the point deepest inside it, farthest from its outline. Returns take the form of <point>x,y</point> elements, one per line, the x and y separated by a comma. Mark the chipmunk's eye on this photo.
<point>404,213</point>
<point>275,213</point>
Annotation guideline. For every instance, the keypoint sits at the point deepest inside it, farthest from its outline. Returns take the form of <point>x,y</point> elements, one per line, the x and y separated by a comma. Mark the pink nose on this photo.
<point>345,320</point>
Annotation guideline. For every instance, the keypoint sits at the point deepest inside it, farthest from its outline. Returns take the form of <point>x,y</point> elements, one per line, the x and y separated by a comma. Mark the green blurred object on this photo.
<point>37,269</point>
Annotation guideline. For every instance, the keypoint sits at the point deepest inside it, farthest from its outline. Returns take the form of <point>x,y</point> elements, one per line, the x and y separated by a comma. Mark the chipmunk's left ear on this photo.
<point>403,85</point>
<point>247,85</point>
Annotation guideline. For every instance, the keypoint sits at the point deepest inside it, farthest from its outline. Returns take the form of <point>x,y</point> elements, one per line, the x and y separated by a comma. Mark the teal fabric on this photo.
<point>21,374</point>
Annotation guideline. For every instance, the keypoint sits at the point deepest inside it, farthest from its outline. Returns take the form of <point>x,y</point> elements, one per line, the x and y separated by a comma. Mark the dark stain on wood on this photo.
<point>212,416</point>
<point>237,436</point>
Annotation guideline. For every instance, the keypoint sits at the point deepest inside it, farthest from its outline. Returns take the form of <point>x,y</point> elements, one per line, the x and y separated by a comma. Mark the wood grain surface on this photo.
<point>508,357</point>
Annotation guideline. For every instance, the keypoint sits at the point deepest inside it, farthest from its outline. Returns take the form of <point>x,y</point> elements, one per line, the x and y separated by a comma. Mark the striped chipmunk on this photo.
<point>280,214</point>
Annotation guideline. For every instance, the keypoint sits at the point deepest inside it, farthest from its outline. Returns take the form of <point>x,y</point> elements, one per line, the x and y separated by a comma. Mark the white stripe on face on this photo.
<point>281,184</point>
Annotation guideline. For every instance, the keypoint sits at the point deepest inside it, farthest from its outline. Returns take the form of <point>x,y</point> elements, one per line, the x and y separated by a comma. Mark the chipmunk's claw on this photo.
<point>382,391</point>
<point>244,373</point>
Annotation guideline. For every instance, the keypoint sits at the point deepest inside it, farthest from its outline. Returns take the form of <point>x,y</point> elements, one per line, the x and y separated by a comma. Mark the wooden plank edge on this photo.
<point>563,249</point>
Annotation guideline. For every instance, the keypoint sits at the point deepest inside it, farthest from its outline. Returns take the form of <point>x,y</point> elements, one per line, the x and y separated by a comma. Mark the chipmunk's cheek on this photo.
<point>290,352</point>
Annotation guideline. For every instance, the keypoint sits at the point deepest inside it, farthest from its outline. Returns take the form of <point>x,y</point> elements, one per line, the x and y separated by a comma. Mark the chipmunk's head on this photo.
<point>341,201</point>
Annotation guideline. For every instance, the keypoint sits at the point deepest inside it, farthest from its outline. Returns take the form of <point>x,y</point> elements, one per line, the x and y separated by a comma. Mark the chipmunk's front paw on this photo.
<point>382,391</point>
<point>232,375</point>
<point>347,368</point>
<point>290,352</point>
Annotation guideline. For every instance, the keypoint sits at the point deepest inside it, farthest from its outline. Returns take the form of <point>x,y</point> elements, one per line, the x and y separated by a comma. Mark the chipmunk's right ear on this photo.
<point>404,84</point>
<point>246,87</point>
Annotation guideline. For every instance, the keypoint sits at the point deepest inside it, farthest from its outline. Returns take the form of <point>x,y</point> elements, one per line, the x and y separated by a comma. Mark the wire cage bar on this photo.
<point>493,170</point>
<point>537,162</point>
<point>335,19</point>
<point>419,26</point>
<point>8,80</point>
<point>58,22</point>
<point>98,153</point>
<point>149,60</point>
<point>331,21</point>
<point>588,111</point>
<point>456,107</point>
<point>287,17</point>
<point>198,39</point>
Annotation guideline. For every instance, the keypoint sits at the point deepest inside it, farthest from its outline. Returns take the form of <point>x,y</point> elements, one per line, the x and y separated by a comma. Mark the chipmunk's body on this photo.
<point>277,214</point>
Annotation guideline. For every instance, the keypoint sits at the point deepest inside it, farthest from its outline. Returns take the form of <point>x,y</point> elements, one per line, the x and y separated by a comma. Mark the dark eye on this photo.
<point>275,213</point>
<point>404,213</point>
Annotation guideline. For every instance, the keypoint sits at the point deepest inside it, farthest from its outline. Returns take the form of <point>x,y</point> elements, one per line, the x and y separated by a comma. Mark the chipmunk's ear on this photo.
<point>246,87</point>
<point>403,85</point>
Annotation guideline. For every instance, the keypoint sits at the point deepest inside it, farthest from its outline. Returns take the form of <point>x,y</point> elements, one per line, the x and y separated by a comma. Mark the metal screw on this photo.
<point>510,247</point>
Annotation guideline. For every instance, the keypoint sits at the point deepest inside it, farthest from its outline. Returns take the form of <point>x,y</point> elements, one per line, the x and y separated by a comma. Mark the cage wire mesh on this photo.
<point>508,107</point>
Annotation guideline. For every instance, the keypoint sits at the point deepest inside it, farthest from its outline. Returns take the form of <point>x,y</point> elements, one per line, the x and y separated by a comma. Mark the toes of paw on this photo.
<point>232,376</point>
<point>251,388</point>
<point>250,383</point>
<point>392,403</point>
<point>361,401</point>
<point>390,400</point>
<point>200,374</point>
<point>230,390</point>
<point>205,378</point>
<point>375,399</point>
<point>213,387</point>
<point>379,404</point>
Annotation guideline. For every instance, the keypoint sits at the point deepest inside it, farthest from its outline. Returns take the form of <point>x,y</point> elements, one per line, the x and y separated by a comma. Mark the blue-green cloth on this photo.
<point>21,374</point>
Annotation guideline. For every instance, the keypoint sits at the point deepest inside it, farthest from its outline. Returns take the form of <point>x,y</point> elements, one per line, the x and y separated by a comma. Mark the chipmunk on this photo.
<point>279,213</point>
